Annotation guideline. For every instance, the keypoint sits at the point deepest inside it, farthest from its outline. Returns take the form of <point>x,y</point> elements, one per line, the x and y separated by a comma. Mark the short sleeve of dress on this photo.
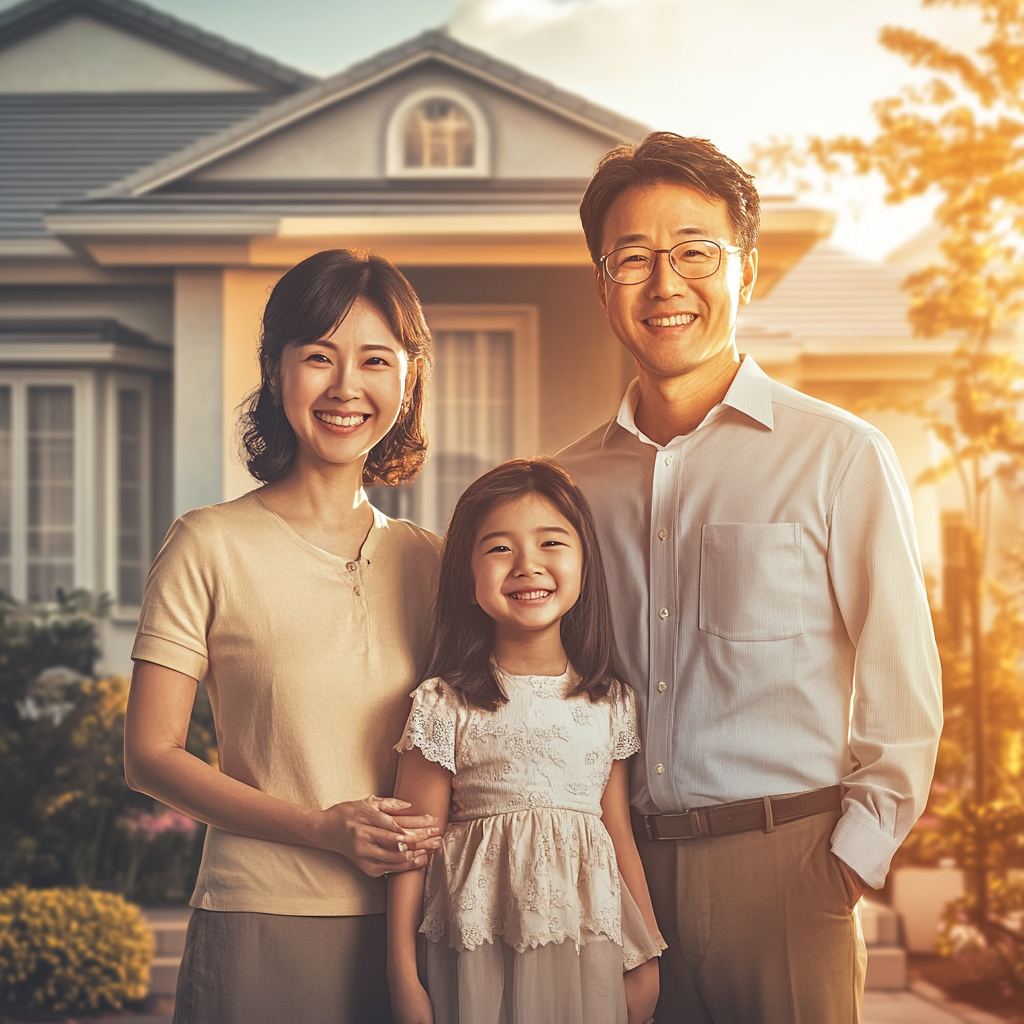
<point>625,733</point>
<point>178,603</point>
<point>431,724</point>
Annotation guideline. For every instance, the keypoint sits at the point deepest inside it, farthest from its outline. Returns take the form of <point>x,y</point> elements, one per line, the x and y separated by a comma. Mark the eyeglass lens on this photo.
<point>691,259</point>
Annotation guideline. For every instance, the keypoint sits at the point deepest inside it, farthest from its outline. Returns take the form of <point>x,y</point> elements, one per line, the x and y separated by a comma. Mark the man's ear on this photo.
<point>601,283</point>
<point>749,277</point>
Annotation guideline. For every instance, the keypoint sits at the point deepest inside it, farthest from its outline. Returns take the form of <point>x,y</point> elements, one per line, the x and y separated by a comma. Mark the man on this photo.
<point>769,609</point>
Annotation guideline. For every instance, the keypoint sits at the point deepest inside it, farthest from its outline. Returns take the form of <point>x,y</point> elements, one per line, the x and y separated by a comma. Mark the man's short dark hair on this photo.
<point>664,157</point>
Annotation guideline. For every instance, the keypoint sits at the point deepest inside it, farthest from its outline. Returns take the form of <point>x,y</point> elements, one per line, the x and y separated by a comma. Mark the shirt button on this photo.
<point>668,460</point>
<point>663,614</point>
<point>357,591</point>
<point>351,566</point>
<point>662,687</point>
<point>662,534</point>
<point>660,769</point>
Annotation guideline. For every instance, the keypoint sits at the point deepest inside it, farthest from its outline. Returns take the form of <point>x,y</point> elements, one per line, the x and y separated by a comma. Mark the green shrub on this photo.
<point>71,950</point>
<point>67,818</point>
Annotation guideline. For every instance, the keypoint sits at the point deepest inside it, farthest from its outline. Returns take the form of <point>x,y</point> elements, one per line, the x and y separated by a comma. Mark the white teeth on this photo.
<point>352,420</point>
<point>529,595</point>
<point>671,321</point>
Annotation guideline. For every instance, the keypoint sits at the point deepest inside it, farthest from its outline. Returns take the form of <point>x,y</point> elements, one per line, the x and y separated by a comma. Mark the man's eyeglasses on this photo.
<point>692,259</point>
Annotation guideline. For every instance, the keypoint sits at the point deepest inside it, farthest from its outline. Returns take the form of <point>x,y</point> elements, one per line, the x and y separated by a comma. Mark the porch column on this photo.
<point>198,388</point>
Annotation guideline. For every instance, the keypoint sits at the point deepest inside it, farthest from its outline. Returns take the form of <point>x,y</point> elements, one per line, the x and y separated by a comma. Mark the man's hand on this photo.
<point>854,883</point>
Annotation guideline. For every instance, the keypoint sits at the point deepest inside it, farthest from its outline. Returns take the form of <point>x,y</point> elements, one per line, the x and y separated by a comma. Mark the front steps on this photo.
<point>168,925</point>
<point>887,959</point>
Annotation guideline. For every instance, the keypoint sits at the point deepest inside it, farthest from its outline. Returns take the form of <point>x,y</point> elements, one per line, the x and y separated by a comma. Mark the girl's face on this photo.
<point>343,393</point>
<point>527,566</point>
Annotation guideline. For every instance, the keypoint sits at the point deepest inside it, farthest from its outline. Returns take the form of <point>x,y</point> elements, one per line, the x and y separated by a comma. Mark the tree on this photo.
<point>960,138</point>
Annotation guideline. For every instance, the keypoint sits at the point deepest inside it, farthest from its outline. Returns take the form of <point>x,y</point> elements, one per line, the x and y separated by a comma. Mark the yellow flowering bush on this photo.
<point>71,950</point>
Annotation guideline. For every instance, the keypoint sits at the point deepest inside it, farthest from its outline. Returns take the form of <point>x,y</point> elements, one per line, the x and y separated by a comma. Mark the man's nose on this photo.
<point>664,280</point>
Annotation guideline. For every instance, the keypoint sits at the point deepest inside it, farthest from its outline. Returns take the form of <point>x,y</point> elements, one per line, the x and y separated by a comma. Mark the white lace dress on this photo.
<point>526,918</point>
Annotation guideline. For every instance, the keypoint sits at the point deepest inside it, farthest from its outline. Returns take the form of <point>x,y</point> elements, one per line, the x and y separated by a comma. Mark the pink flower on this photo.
<point>153,825</point>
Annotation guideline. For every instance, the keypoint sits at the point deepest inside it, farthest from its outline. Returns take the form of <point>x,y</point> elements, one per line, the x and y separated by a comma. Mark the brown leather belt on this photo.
<point>740,816</point>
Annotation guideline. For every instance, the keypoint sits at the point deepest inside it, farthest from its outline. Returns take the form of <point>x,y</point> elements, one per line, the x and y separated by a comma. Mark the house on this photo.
<point>155,181</point>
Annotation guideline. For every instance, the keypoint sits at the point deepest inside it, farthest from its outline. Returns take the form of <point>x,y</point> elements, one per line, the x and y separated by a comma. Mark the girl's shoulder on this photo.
<point>436,691</point>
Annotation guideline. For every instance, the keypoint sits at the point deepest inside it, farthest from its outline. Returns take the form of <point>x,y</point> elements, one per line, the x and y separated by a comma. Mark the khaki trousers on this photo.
<point>760,928</point>
<point>243,968</point>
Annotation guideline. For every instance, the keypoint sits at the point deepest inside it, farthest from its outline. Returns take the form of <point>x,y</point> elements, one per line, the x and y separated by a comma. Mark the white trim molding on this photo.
<point>394,155</point>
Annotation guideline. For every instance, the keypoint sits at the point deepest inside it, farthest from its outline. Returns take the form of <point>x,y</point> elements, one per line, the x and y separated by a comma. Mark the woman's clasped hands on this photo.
<point>375,835</point>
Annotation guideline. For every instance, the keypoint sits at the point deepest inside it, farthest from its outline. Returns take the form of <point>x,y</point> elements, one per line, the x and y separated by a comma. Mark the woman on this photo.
<point>304,609</point>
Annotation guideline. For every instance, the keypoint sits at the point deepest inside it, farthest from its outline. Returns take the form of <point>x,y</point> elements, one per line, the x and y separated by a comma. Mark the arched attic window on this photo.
<point>437,133</point>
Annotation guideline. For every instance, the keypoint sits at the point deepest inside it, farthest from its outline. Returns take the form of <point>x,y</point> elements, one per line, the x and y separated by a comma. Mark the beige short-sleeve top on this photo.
<point>309,659</point>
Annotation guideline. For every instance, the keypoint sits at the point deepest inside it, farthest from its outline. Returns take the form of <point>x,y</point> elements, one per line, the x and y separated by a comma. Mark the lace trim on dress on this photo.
<point>431,724</point>
<point>627,736</point>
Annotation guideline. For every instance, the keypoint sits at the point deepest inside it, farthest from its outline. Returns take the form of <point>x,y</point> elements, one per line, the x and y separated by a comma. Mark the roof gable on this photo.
<point>124,46</point>
<point>575,131</point>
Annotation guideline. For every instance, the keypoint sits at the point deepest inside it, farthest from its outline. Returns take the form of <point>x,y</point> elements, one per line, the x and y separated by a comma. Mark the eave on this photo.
<point>451,232</point>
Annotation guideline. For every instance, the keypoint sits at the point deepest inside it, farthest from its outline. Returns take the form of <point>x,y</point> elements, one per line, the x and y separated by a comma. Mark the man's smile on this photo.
<point>676,320</point>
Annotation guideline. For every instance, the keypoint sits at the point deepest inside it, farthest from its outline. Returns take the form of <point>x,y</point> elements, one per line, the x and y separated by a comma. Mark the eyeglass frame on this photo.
<point>603,261</point>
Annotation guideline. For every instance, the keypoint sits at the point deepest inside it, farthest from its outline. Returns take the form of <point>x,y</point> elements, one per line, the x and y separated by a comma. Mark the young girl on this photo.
<point>536,904</point>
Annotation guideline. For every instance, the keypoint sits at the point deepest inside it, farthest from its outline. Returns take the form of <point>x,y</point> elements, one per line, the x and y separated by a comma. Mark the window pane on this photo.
<point>5,489</point>
<point>51,492</point>
<point>473,393</point>
<point>439,133</point>
<point>131,567</point>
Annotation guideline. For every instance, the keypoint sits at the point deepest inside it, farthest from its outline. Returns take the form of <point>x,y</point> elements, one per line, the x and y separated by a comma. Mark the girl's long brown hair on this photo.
<point>464,634</point>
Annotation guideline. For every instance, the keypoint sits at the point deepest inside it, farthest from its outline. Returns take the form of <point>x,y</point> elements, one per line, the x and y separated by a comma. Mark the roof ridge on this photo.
<point>328,90</point>
<point>26,17</point>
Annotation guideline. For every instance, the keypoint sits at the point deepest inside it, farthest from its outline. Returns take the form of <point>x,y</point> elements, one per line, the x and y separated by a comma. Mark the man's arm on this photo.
<point>875,570</point>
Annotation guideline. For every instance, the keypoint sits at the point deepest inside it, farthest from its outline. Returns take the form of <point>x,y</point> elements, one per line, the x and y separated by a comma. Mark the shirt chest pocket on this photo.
<point>751,580</point>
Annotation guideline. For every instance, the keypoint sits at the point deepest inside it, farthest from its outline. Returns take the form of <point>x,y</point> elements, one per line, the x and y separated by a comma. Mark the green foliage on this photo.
<point>71,949</point>
<point>67,816</point>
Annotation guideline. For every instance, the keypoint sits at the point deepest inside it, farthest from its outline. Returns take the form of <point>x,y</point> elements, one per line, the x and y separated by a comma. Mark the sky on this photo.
<point>736,71</point>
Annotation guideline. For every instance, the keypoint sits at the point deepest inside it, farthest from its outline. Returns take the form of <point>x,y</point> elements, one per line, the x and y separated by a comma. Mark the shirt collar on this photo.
<point>750,393</point>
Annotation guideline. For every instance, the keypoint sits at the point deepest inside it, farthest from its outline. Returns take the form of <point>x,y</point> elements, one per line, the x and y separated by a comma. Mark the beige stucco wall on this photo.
<point>81,54</point>
<point>245,295</point>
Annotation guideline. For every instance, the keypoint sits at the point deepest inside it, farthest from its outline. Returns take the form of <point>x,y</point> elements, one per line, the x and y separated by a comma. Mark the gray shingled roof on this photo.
<point>56,147</point>
<point>832,294</point>
<point>33,15</point>
<point>436,45</point>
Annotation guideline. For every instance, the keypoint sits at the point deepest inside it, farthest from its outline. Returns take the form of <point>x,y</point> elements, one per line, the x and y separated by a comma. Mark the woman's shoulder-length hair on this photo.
<point>463,633</point>
<point>308,303</point>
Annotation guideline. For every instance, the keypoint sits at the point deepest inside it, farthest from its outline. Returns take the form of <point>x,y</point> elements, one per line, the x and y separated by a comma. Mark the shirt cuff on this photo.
<point>170,655</point>
<point>860,844</point>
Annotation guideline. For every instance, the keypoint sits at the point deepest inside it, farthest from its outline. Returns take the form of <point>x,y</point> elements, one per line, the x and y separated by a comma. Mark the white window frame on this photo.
<point>522,322</point>
<point>115,383</point>
<point>394,160</point>
<point>82,383</point>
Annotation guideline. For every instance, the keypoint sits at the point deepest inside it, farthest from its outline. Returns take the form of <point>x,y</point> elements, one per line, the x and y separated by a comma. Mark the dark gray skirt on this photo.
<point>243,968</point>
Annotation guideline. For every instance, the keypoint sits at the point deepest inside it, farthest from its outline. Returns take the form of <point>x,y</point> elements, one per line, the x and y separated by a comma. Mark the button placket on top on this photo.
<point>353,572</point>
<point>664,618</point>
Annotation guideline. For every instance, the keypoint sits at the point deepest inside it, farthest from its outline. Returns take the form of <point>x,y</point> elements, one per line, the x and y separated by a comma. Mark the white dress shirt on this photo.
<point>770,610</point>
